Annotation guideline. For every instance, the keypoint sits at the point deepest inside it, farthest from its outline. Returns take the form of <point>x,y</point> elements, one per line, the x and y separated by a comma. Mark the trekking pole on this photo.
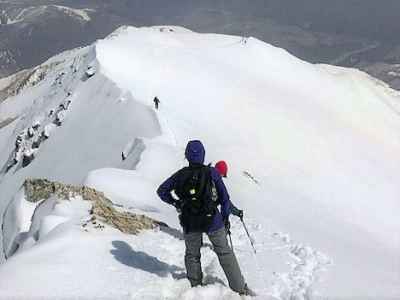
<point>248,235</point>
<point>228,232</point>
<point>230,238</point>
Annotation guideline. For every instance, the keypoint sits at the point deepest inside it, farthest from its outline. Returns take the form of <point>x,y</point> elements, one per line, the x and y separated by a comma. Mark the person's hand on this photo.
<point>178,205</point>
<point>240,214</point>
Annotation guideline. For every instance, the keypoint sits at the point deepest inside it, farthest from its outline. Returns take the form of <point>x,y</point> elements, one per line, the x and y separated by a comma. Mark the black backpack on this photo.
<point>196,189</point>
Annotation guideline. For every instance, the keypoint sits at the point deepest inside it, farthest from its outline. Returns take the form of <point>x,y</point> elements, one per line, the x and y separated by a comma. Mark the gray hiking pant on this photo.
<point>225,255</point>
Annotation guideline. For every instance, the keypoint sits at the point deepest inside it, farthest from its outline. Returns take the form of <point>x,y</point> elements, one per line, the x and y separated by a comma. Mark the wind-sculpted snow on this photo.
<point>16,219</point>
<point>67,125</point>
<point>41,205</point>
<point>312,153</point>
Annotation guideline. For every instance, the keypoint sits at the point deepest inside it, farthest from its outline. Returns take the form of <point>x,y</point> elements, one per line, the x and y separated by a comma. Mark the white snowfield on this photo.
<point>312,153</point>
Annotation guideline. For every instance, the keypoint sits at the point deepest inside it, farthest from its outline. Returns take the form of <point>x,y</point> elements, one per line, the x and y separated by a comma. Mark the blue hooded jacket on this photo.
<point>195,154</point>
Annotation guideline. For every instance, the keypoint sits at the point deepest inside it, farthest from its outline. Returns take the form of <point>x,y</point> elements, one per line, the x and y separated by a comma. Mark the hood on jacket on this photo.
<point>195,152</point>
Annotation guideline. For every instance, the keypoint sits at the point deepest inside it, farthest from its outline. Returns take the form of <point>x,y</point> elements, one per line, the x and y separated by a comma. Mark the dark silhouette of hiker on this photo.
<point>156,102</point>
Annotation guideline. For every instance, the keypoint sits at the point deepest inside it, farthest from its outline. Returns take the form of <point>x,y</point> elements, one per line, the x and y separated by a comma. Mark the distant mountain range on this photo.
<point>32,31</point>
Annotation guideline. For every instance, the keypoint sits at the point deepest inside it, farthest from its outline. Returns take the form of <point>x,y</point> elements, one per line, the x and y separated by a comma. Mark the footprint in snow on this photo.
<point>305,265</point>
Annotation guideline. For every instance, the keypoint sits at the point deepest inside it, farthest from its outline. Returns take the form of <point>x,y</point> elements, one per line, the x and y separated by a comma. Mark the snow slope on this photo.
<point>81,143</point>
<point>313,155</point>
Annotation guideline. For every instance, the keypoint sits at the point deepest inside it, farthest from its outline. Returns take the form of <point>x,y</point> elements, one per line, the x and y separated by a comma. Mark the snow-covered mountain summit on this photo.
<point>313,155</point>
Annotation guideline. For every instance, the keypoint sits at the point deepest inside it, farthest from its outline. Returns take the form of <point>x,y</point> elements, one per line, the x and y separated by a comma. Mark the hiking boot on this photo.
<point>247,292</point>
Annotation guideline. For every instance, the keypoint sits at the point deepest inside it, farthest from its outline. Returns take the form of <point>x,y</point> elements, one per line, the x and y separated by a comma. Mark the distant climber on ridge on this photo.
<point>199,190</point>
<point>156,102</point>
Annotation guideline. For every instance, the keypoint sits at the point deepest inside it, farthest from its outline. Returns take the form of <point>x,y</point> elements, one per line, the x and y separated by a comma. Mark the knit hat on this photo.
<point>222,168</point>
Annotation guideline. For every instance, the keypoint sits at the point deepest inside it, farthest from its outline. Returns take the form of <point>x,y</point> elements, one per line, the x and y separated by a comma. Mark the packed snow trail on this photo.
<point>266,273</point>
<point>308,148</point>
<point>147,266</point>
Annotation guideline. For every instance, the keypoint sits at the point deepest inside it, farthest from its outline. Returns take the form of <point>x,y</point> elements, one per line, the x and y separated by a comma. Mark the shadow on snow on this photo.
<point>124,253</point>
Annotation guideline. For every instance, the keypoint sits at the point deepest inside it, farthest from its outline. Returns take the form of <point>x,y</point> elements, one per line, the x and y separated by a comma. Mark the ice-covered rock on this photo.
<point>91,70</point>
<point>47,130</point>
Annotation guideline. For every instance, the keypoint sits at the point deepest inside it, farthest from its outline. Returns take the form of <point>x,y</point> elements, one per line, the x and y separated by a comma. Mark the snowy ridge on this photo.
<point>36,11</point>
<point>46,104</point>
<point>19,17</point>
<point>16,219</point>
<point>301,140</point>
<point>79,13</point>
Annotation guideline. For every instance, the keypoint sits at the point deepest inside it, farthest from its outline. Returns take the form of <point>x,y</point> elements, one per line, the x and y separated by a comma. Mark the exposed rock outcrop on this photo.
<point>102,208</point>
